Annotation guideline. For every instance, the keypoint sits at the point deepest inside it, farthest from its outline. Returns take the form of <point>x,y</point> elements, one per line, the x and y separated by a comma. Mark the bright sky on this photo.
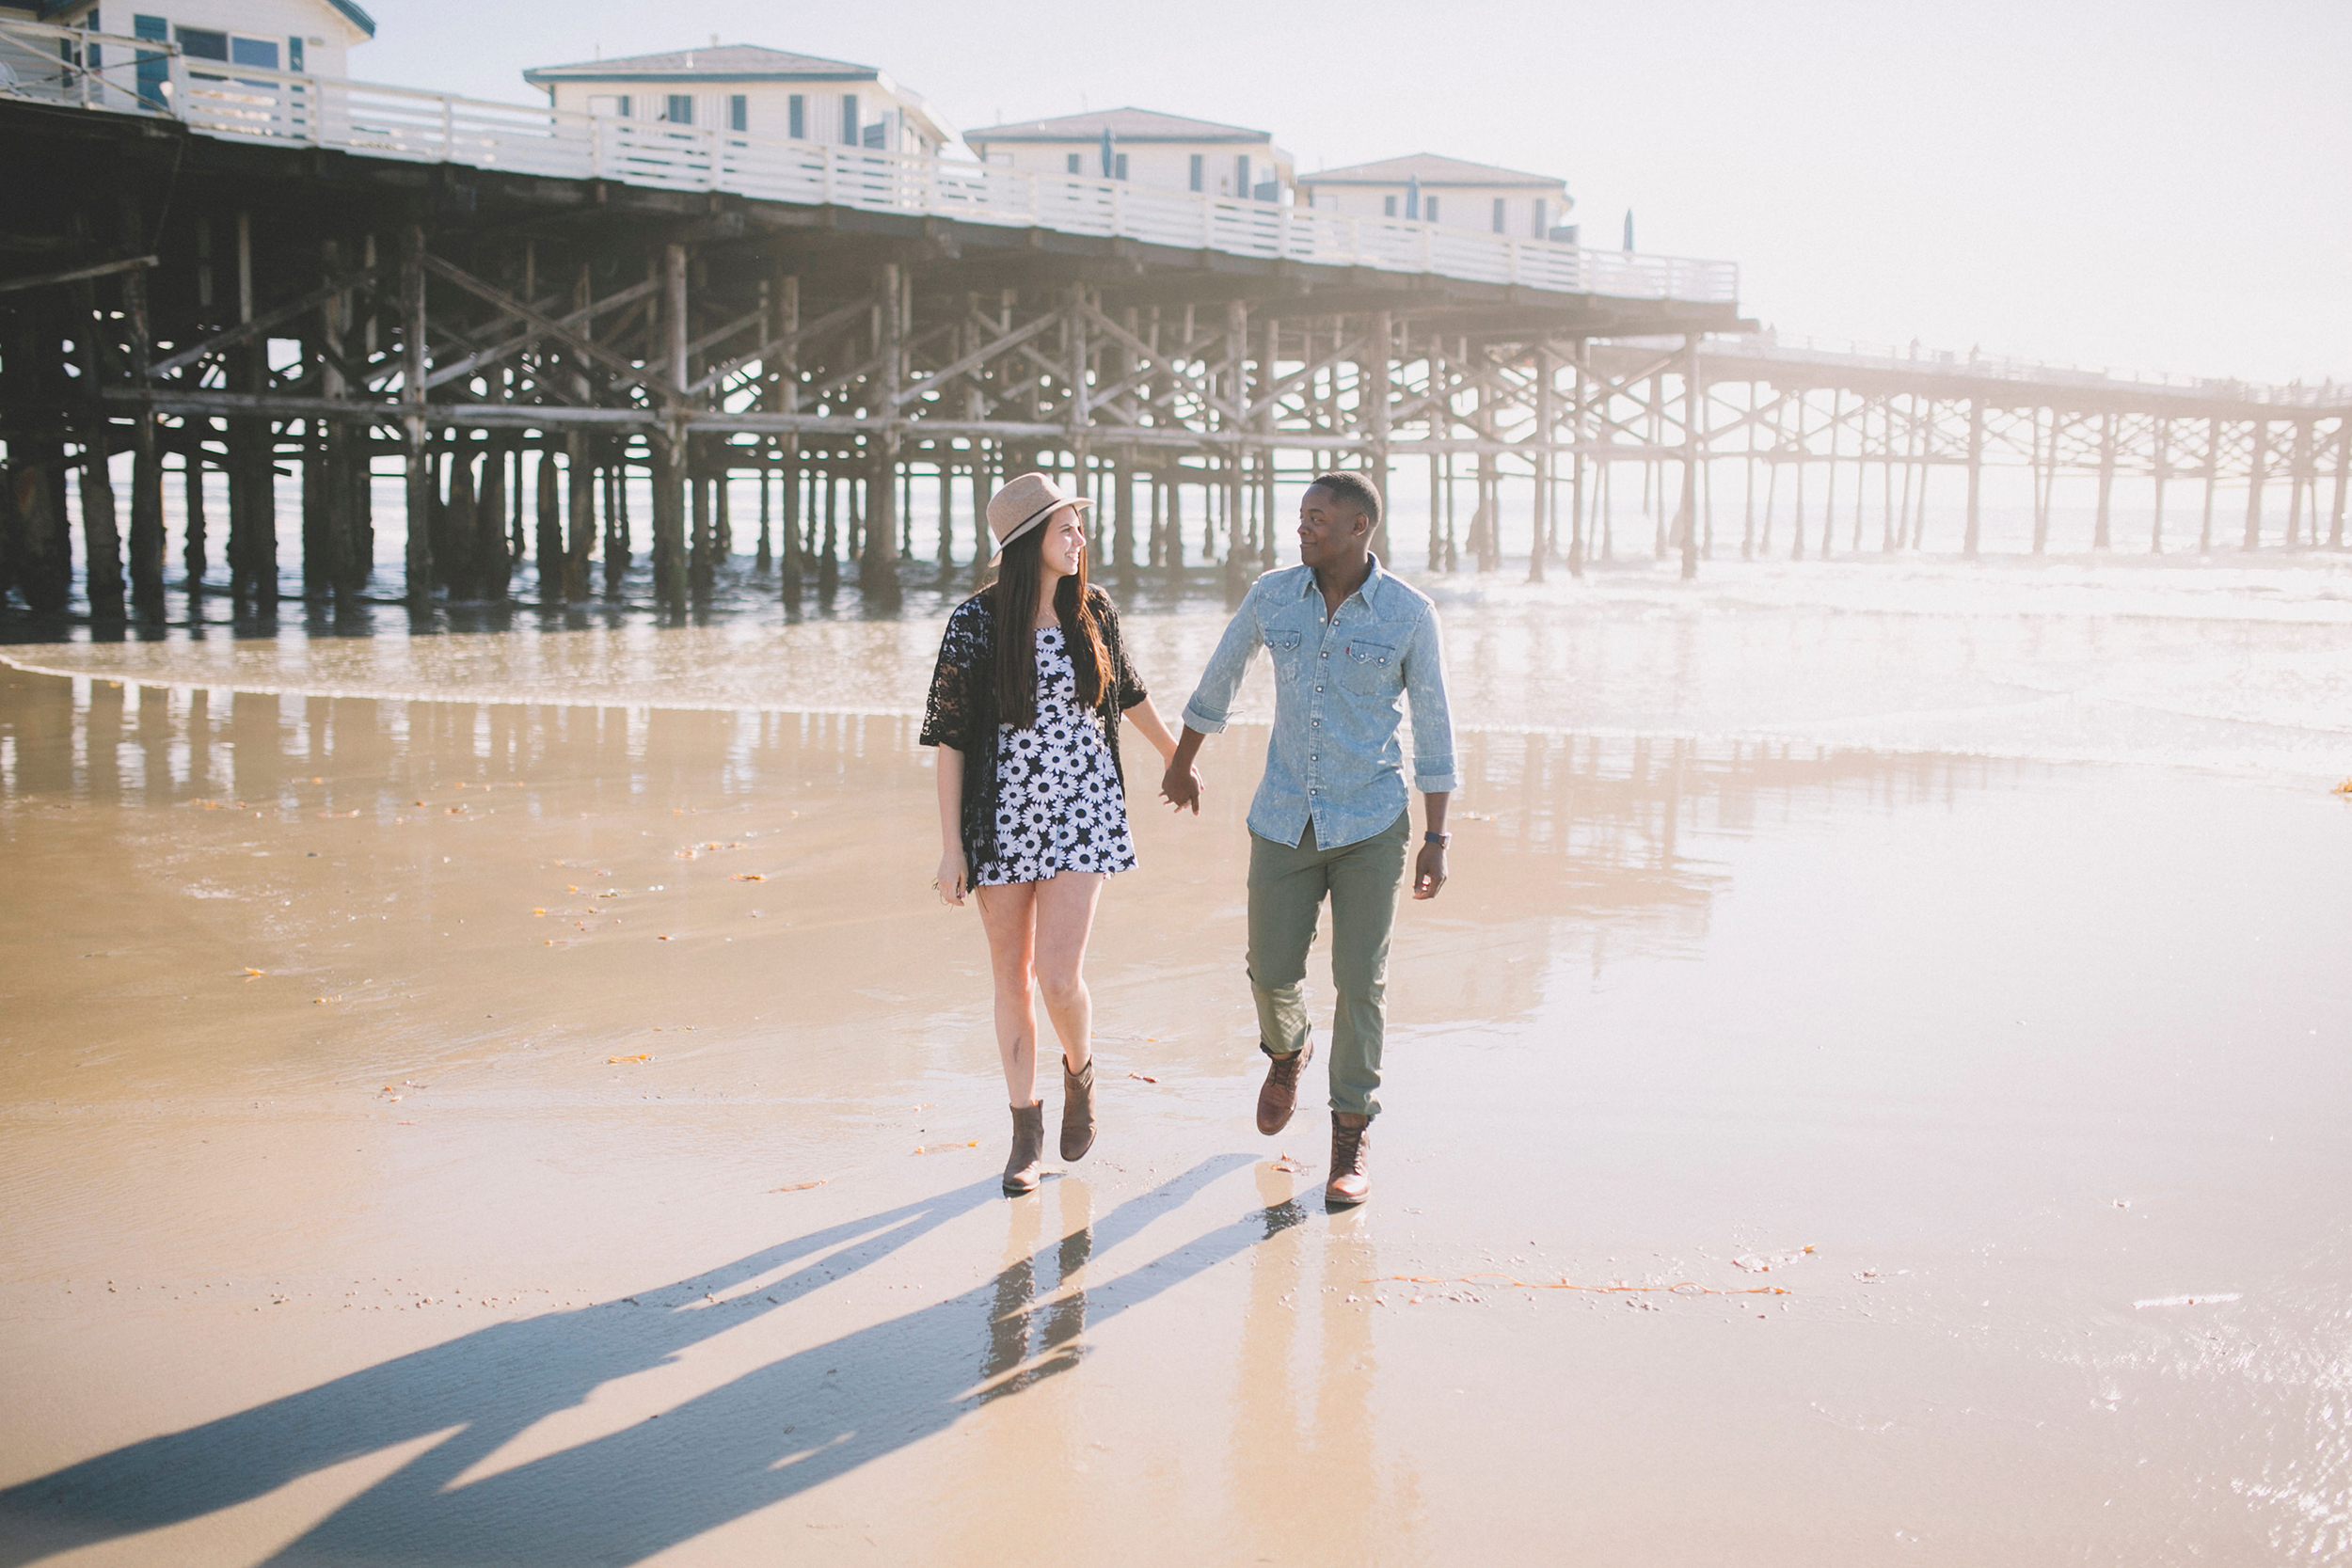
<point>2157,184</point>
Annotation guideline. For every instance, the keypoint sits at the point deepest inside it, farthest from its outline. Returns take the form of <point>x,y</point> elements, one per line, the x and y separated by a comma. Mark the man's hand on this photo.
<point>1429,871</point>
<point>1180,787</point>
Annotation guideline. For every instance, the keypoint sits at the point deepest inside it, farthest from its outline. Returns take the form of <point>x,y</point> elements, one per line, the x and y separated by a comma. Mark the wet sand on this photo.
<point>378,1255</point>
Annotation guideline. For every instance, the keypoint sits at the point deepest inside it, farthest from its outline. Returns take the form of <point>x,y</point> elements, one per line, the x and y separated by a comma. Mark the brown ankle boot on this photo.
<point>1349,1184</point>
<point>1077,1110</point>
<point>1029,1145</point>
<point>1278,1096</point>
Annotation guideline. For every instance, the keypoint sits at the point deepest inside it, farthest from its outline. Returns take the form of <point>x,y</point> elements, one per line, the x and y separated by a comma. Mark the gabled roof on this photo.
<point>728,62</point>
<point>1127,125</point>
<point>349,11</point>
<point>1430,170</point>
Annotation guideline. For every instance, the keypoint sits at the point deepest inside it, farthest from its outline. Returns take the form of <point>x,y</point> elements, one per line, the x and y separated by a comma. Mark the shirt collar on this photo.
<point>1369,592</point>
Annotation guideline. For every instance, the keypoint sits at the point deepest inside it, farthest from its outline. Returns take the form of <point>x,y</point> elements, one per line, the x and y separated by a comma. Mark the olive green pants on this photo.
<point>1286,892</point>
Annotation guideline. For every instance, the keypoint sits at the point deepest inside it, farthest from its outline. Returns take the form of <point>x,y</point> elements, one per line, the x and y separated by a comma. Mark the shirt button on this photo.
<point>1318,688</point>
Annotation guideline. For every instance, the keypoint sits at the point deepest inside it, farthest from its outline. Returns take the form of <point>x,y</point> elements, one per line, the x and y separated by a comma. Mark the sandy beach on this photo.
<point>1849,1107</point>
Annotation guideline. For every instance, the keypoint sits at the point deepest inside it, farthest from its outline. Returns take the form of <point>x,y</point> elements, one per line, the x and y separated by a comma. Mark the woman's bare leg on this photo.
<point>1065,918</point>
<point>1008,916</point>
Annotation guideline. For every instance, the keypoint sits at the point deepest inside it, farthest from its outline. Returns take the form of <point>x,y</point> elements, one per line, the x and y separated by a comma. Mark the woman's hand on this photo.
<point>954,879</point>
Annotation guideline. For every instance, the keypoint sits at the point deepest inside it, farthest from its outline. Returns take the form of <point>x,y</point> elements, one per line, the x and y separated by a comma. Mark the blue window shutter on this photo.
<point>1388,206</point>
<point>1196,171</point>
<point>848,118</point>
<point>1073,164</point>
<point>293,54</point>
<point>1119,172</point>
<point>626,111</point>
<point>1241,174</point>
<point>154,65</point>
<point>1429,209</point>
<point>738,113</point>
<point>797,117</point>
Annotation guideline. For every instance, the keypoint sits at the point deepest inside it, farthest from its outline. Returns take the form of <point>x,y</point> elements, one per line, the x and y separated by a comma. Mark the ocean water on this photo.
<point>2240,666</point>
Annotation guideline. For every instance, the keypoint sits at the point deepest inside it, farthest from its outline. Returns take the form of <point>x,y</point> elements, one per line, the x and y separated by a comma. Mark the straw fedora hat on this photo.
<point>1025,503</point>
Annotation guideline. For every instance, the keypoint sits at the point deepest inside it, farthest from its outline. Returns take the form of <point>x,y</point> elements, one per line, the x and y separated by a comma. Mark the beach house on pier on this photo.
<point>1165,153</point>
<point>752,88</point>
<point>313,36</point>
<point>1445,191</point>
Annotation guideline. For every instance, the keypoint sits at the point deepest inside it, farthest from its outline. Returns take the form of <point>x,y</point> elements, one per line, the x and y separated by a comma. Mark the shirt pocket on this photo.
<point>1284,647</point>
<point>1372,668</point>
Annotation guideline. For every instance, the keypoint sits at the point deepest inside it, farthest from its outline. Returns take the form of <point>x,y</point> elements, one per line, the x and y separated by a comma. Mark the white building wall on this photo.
<point>1458,206</point>
<point>1158,165</point>
<point>768,107</point>
<point>327,34</point>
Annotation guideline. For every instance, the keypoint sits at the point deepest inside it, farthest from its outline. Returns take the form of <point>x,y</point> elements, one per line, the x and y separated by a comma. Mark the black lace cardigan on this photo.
<point>961,711</point>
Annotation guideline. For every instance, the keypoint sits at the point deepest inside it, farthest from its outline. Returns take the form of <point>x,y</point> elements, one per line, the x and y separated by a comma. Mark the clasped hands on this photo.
<point>1180,787</point>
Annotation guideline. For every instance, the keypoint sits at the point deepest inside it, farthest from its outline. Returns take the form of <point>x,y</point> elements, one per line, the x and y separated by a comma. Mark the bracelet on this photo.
<point>1441,840</point>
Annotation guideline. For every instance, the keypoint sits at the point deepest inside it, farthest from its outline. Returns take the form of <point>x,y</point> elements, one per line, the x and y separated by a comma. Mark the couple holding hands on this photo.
<point>1024,708</point>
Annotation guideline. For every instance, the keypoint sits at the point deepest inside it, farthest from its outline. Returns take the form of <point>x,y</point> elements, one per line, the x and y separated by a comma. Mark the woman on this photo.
<point>1032,811</point>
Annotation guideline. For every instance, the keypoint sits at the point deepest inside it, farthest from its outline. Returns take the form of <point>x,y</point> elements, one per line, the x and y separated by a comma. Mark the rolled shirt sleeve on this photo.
<point>1433,721</point>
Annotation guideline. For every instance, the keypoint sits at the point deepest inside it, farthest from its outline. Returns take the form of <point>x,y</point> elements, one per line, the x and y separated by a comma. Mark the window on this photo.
<point>1071,166</point>
<point>738,113</point>
<point>1119,167</point>
<point>1196,171</point>
<point>1429,209</point>
<point>198,44</point>
<point>796,110</point>
<point>877,134</point>
<point>293,54</point>
<point>154,65</point>
<point>1241,174</point>
<point>1541,226</point>
<point>609,105</point>
<point>254,51</point>
<point>1501,219</point>
<point>1388,206</point>
<point>849,120</point>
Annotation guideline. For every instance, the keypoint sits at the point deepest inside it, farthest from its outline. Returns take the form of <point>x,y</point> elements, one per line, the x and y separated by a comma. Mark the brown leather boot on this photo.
<point>1028,1146</point>
<point>1278,1096</point>
<point>1349,1184</point>
<point>1077,1110</point>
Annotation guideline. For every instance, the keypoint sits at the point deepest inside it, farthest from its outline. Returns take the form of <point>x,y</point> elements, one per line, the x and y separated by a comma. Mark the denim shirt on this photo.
<point>1334,757</point>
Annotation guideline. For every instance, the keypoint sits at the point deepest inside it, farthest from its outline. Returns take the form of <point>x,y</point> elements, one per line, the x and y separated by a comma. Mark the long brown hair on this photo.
<point>1013,596</point>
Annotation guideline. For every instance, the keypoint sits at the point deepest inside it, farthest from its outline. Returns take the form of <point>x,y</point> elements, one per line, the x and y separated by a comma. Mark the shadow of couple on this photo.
<point>767,1436</point>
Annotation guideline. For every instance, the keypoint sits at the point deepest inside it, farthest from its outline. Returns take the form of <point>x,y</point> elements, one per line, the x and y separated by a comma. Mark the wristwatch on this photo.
<point>1441,840</point>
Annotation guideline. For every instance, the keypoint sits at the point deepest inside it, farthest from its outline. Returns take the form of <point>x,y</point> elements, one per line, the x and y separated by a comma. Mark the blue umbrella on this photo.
<point>1109,165</point>
<point>1412,196</point>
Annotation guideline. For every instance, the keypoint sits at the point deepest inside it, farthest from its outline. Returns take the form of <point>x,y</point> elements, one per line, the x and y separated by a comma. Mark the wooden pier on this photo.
<point>535,316</point>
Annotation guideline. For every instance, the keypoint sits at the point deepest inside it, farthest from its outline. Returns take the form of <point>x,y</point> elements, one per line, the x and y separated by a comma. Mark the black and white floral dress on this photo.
<point>1058,802</point>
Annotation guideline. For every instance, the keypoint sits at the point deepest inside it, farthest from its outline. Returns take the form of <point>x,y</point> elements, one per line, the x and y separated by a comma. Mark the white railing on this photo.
<point>1975,365</point>
<point>241,103</point>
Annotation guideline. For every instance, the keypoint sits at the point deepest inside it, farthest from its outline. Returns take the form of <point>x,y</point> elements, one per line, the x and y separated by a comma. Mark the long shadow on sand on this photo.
<point>769,1435</point>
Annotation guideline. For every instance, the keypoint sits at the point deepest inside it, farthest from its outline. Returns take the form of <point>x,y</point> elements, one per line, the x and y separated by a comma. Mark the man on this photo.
<point>1347,641</point>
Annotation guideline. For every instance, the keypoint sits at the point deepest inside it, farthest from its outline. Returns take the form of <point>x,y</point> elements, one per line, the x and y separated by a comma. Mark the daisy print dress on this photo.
<point>1058,802</point>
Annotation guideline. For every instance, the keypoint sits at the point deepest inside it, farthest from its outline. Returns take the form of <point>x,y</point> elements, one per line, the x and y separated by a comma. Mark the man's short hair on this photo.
<point>1355,490</point>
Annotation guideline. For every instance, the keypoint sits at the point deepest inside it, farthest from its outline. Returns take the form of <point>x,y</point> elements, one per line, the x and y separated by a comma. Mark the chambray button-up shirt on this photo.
<point>1334,758</point>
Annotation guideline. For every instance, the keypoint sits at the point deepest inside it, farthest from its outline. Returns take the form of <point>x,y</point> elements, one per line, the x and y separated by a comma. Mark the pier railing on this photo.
<point>124,74</point>
<point>1975,365</point>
